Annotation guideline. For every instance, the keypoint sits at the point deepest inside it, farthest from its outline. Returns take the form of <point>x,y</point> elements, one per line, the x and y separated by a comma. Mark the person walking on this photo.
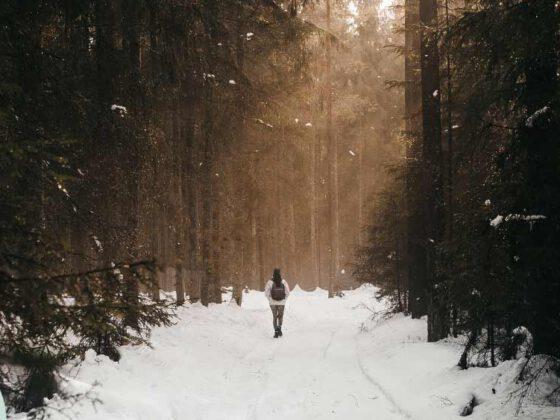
<point>277,292</point>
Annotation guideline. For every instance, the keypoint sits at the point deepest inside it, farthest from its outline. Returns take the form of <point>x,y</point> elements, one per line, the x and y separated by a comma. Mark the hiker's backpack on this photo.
<point>278,292</point>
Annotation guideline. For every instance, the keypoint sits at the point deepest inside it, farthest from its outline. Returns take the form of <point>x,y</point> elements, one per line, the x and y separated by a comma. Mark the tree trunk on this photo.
<point>361,193</point>
<point>179,285</point>
<point>416,251</point>
<point>260,253</point>
<point>206,236</point>
<point>314,211</point>
<point>154,290</point>
<point>332,167</point>
<point>432,164</point>
<point>254,249</point>
<point>294,257</point>
<point>538,143</point>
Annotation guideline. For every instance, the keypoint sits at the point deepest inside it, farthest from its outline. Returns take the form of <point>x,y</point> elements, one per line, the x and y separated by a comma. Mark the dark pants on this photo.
<point>277,315</point>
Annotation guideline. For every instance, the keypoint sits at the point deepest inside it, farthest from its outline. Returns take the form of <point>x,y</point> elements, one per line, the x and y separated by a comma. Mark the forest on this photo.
<point>161,154</point>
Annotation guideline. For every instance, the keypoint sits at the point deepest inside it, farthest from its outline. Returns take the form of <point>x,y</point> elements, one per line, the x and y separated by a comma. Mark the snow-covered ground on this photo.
<point>333,362</point>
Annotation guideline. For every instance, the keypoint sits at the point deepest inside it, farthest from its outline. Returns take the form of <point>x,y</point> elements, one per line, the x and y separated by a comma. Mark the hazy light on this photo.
<point>385,9</point>
<point>353,8</point>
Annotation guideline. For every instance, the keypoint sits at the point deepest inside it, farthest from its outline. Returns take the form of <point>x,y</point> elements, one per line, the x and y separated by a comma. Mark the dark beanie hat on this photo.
<point>276,276</point>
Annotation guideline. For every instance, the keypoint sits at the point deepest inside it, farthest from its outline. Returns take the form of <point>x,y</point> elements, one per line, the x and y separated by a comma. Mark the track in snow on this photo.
<point>314,371</point>
<point>222,363</point>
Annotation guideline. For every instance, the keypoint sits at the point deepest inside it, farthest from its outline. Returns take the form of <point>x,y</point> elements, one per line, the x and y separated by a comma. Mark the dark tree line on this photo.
<point>477,231</point>
<point>117,123</point>
<point>180,146</point>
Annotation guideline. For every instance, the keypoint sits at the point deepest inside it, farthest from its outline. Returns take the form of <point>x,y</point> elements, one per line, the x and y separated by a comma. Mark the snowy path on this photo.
<point>221,362</point>
<point>313,372</point>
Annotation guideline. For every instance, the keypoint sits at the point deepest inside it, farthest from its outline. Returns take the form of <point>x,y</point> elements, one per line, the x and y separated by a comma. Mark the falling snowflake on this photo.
<point>64,190</point>
<point>98,244</point>
<point>122,111</point>
<point>497,221</point>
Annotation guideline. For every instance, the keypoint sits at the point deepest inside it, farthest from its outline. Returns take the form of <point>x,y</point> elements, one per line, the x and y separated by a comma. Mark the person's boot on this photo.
<point>280,331</point>
<point>276,332</point>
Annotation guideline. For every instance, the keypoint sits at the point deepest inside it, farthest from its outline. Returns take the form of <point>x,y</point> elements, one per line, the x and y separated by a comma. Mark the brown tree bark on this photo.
<point>332,196</point>
<point>416,250</point>
<point>314,221</point>
<point>432,165</point>
<point>179,285</point>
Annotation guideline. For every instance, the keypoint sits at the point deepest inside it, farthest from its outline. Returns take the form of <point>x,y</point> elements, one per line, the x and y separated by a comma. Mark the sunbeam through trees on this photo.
<point>157,155</point>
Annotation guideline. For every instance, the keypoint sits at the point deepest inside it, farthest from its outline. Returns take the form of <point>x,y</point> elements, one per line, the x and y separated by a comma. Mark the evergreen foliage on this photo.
<point>137,141</point>
<point>496,263</point>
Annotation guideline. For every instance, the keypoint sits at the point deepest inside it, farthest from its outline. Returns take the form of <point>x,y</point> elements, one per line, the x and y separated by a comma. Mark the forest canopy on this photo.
<point>156,146</point>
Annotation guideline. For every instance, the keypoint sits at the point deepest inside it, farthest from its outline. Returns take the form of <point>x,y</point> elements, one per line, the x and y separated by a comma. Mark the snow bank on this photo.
<point>334,362</point>
<point>531,218</point>
<point>530,121</point>
<point>121,110</point>
<point>425,381</point>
